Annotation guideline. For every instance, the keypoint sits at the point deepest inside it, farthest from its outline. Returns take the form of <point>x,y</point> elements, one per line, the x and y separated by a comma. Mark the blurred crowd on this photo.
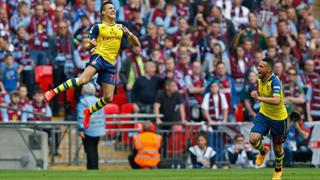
<point>198,59</point>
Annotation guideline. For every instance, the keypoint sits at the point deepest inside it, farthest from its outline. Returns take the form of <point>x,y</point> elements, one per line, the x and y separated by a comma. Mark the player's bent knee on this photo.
<point>254,138</point>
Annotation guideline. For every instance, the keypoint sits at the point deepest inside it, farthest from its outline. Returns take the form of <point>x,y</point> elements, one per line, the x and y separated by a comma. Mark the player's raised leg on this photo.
<point>85,77</point>
<point>108,91</point>
<point>256,142</point>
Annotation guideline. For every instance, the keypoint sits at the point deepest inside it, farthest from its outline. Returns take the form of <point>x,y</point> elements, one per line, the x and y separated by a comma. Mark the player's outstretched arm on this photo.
<point>133,40</point>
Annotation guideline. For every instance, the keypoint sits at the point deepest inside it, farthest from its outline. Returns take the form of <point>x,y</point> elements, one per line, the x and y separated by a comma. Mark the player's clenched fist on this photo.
<point>126,31</point>
<point>254,94</point>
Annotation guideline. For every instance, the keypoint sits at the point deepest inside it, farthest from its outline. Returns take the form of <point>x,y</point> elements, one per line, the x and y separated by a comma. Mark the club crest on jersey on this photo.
<point>268,87</point>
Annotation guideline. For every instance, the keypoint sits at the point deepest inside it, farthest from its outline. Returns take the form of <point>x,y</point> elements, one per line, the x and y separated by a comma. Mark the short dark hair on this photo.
<point>14,94</point>
<point>103,4</point>
<point>269,61</point>
<point>169,81</point>
<point>202,134</point>
<point>38,91</point>
<point>238,136</point>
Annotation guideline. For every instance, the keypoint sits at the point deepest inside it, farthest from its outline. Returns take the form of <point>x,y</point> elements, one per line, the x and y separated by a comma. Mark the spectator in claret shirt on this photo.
<point>48,10</point>
<point>239,68</point>
<point>150,41</point>
<point>293,91</point>
<point>227,87</point>
<point>23,93</point>
<point>13,114</point>
<point>279,70</point>
<point>40,28</point>
<point>10,74</point>
<point>4,24</point>
<point>287,57</point>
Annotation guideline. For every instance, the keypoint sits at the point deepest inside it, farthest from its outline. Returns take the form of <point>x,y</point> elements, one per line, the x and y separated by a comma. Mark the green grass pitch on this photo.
<point>232,174</point>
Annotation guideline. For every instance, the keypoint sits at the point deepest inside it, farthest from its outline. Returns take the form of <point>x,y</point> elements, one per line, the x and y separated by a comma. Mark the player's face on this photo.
<point>263,69</point>
<point>109,11</point>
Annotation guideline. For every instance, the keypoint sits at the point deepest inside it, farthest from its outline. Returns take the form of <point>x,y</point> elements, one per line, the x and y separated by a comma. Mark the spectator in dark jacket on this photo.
<point>145,89</point>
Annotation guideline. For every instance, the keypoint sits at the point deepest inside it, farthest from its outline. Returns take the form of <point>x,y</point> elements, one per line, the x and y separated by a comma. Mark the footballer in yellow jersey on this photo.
<point>106,38</point>
<point>272,117</point>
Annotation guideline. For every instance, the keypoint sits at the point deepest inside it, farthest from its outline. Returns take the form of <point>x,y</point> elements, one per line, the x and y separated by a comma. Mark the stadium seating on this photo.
<point>44,77</point>
<point>110,109</point>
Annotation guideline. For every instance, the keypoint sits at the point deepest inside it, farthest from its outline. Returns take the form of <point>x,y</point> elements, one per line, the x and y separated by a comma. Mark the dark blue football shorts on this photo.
<point>107,73</point>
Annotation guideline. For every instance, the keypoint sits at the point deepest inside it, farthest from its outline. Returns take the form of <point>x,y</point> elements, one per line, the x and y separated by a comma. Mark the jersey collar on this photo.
<point>267,79</point>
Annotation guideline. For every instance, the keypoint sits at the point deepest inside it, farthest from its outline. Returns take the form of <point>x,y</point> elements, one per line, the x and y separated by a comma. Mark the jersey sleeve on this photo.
<point>94,31</point>
<point>276,87</point>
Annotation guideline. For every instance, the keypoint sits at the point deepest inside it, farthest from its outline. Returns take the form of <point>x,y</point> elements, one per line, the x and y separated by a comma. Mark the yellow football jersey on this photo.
<point>108,39</point>
<point>272,88</point>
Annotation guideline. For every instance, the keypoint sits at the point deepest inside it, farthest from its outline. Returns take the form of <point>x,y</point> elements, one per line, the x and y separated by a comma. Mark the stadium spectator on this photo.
<point>5,47</point>
<point>296,145</point>
<point>234,11</point>
<point>145,89</point>
<point>279,71</point>
<point>81,57</point>
<point>240,155</point>
<point>90,136</point>
<point>40,109</point>
<point>251,105</point>
<point>23,92</point>
<point>21,54</point>
<point>239,68</point>
<point>40,28</point>
<point>146,150</point>
<point>227,86</point>
<point>195,84</point>
<point>293,91</point>
<point>310,79</point>
<point>313,106</point>
<point>267,16</point>
<point>62,56</point>
<point>132,69</point>
<point>201,155</point>
<point>13,112</point>
<point>10,74</point>
<point>4,24</point>
<point>21,17</point>
<point>169,103</point>
<point>215,105</point>
<point>213,56</point>
<point>253,33</point>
